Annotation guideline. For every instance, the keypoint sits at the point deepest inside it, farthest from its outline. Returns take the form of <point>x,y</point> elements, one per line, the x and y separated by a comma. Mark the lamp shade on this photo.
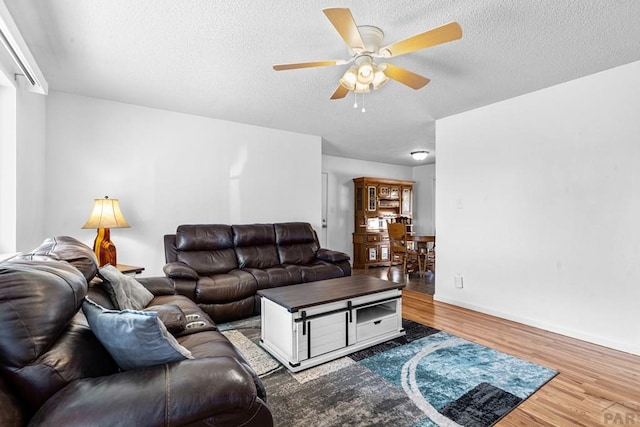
<point>106,213</point>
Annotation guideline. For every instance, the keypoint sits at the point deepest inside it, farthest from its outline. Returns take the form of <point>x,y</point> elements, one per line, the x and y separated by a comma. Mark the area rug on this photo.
<point>426,378</point>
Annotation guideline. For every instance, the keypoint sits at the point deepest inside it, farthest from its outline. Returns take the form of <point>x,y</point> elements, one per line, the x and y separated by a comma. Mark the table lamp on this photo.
<point>106,214</point>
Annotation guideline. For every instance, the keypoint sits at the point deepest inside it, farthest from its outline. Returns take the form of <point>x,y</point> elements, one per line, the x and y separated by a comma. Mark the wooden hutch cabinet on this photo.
<point>378,201</point>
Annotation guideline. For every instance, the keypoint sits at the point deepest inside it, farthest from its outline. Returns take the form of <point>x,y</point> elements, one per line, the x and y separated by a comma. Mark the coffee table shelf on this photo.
<point>375,312</point>
<point>312,323</point>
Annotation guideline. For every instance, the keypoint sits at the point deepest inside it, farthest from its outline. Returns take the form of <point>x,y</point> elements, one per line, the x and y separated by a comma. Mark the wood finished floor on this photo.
<point>594,386</point>
<point>414,281</point>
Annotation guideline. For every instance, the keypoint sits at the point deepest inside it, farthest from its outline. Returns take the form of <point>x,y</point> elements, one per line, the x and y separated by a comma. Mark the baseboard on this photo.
<point>615,345</point>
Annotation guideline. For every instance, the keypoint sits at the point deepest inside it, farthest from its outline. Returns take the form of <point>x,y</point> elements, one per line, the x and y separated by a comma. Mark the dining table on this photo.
<point>425,247</point>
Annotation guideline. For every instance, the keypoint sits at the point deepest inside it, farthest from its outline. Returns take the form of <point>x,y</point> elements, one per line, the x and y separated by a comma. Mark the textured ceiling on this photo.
<point>214,58</point>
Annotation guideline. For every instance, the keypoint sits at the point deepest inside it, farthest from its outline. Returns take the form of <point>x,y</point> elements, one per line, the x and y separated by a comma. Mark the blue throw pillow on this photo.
<point>135,339</point>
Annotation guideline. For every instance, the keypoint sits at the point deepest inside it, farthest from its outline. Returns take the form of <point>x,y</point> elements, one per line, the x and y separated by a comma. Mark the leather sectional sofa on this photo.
<point>221,267</point>
<point>55,371</point>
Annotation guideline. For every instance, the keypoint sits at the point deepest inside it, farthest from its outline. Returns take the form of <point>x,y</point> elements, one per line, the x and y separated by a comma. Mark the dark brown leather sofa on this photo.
<point>54,371</point>
<point>221,267</point>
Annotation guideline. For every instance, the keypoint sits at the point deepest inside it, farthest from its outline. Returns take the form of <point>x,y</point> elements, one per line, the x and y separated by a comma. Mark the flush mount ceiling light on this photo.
<point>365,43</point>
<point>419,155</point>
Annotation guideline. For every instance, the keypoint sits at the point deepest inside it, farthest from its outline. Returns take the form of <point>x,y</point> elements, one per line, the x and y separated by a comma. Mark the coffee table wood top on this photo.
<point>297,297</point>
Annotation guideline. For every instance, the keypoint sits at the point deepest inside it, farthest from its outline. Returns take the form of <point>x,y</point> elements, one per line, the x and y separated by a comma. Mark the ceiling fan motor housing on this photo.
<point>371,37</point>
<point>367,71</point>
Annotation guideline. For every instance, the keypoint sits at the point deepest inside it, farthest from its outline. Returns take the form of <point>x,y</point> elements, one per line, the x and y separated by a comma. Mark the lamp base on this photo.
<point>104,248</point>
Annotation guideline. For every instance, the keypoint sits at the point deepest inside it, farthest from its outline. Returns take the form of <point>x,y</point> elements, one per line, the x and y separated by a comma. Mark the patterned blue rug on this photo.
<point>426,378</point>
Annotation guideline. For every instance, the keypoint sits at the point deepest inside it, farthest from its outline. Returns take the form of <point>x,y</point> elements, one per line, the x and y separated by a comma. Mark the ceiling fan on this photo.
<point>365,46</point>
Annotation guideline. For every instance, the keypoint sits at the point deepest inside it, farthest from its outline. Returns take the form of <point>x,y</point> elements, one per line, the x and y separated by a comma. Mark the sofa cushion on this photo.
<point>211,343</point>
<point>255,246</point>
<point>222,288</point>
<point>38,299</point>
<point>234,310</point>
<point>11,411</point>
<point>135,339</point>
<point>128,293</point>
<point>66,248</point>
<point>209,262</point>
<point>207,249</point>
<point>45,341</point>
<point>320,270</point>
<point>157,285</point>
<point>98,293</point>
<point>297,243</point>
<point>276,276</point>
<point>205,237</point>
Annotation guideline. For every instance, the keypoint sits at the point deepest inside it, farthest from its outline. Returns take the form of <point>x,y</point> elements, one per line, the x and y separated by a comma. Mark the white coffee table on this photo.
<point>312,323</point>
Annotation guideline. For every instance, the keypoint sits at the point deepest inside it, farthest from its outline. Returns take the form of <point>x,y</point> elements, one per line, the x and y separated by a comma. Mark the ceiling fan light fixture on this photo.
<point>365,69</point>
<point>419,155</point>
<point>349,79</point>
<point>365,73</point>
<point>362,88</point>
<point>379,79</point>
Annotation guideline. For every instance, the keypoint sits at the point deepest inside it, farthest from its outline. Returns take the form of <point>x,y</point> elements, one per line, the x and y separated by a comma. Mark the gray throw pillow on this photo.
<point>135,339</point>
<point>129,293</point>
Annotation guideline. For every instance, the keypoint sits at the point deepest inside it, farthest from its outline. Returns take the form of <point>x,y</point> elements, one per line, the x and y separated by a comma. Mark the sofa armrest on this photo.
<point>158,285</point>
<point>331,256</point>
<point>216,389</point>
<point>180,270</point>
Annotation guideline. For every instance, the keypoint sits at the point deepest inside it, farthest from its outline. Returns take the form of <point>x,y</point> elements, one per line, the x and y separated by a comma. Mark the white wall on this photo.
<point>22,167</point>
<point>31,169</point>
<point>8,168</point>
<point>424,200</point>
<point>168,169</point>
<point>341,172</point>
<point>537,207</point>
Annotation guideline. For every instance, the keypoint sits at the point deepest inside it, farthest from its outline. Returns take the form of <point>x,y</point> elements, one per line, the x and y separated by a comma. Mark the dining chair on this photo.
<point>398,247</point>
<point>430,256</point>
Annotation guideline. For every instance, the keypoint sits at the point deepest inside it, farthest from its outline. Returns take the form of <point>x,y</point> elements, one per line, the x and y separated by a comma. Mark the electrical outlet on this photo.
<point>457,281</point>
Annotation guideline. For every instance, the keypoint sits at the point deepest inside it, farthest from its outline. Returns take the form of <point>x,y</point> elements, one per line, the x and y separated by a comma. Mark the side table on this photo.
<point>130,270</point>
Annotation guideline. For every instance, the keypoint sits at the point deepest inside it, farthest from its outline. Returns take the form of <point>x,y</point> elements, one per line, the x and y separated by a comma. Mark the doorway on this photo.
<point>324,195</point>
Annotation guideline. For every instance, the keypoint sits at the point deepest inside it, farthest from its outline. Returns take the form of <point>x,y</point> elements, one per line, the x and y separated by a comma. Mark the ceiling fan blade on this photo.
<point>406,77</point>
<point>342,20</point>
<point>340,92</point>
<point>281,67</point>
<point>434,37</point>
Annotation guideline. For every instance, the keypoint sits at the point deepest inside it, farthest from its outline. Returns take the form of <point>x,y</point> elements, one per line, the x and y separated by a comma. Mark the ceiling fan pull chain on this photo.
<point>363,110</point>
<point>355,104</point>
